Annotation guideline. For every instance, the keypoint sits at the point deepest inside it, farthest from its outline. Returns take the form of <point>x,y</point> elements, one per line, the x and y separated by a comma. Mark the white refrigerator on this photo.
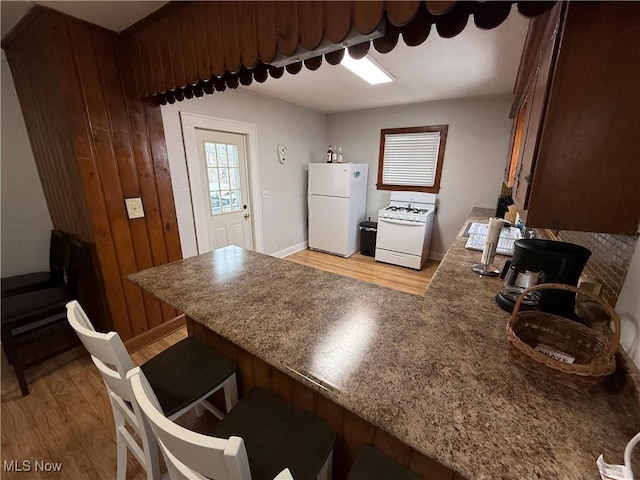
<point>337,205</point>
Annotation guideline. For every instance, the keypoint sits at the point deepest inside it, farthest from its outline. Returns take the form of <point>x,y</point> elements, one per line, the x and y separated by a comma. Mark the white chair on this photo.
<point>261,438</point>
<point>183,376</point>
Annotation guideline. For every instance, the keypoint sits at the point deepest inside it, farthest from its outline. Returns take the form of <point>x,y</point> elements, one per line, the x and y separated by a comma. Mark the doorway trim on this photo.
<point>189,123</point>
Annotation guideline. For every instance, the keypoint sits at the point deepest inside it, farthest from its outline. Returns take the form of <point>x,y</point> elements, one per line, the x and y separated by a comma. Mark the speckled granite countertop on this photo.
<point>431,370</point>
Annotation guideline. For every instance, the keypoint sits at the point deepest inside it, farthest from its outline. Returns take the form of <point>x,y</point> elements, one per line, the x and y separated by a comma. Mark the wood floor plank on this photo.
<point>366,269</point>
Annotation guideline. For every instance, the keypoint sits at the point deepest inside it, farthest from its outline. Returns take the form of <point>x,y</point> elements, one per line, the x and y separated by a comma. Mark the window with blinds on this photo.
<point>411,158</point>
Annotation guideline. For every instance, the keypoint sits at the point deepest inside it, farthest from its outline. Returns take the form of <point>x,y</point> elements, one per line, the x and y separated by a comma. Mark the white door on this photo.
<point>329,179</point>
<point>328,223</point>
<point>224,189</point>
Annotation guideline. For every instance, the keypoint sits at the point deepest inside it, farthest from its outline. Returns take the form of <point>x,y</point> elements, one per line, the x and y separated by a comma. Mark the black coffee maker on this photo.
<point>537,261</point>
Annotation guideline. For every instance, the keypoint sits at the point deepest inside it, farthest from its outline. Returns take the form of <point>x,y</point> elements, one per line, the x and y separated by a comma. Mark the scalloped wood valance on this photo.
<point>188,49</point>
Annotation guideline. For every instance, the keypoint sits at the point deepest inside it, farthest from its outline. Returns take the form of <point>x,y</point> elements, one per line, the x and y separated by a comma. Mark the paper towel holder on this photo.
<point>487,269</point>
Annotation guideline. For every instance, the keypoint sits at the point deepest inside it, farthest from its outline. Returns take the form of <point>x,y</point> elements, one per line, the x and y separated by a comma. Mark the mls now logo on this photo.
<point>28,466</point>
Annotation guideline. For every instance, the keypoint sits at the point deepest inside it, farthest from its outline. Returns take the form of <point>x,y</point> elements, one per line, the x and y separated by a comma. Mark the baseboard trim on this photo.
<point>155,334</point>
<point>291,250</point>
<point>436,256</point>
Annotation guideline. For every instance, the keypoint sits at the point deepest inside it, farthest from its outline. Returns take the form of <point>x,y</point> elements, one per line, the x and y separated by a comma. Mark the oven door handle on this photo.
<point>401,222</point>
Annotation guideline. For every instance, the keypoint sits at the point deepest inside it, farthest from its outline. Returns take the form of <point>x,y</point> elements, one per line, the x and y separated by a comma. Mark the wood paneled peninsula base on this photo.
<point>423,378</point>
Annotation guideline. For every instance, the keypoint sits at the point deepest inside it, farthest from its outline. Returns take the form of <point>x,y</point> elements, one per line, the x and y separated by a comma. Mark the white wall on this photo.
<point>475,154</point>
<point>26,224</point>
<point>304,131</point>
<point>628,308</point>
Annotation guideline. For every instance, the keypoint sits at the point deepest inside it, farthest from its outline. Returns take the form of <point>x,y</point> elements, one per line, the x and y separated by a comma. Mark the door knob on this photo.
<point>246,215</point>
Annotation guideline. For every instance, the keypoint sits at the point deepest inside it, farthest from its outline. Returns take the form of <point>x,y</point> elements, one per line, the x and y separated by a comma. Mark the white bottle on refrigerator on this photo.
<point>337,205</point>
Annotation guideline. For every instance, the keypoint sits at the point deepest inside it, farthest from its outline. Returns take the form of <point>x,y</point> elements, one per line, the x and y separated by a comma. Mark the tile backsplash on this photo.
<point>610,257</point>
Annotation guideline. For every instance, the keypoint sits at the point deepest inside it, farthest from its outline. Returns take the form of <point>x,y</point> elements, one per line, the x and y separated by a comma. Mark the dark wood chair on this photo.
<point>29,282</point>
<point>34,326</point>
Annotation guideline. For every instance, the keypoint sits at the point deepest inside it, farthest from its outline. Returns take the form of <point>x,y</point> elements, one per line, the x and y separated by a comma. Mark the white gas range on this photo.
<point>404,229</point>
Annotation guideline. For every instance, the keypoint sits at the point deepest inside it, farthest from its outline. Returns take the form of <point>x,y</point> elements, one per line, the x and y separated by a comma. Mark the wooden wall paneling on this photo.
<point>214,38</point>
<point>247,34</point>
<point>145,164</point>
<point>302,397</point>
<point>287,27</point>
<point>98,110</point>
<point>144,63</point>
<point>230,41</point>
<point>162,174</point>
<point>311,22</point>
<point>152,41</point>
<point>19,59</point>
<point>129,67</point>
<point>164,45</point>
<point>177,58</point>
<point>84,178</point>
<point>337,20</point>
<point>333,415</point>
<point>200,36</point>
<point>135,65</point>
<point>357,432</point>
<point>282,385</point>
<point>262,374</point>
<point>367,15</point>
<point>127,170</point>
<point>163,189</point>
<point>185,14</point>
<point>392,447</point>
<point>71,96</point>
<point>53,174</point>
<point>427,468</point>
<point>54,158</point>
<point>266,30</point>
<point>401,12</point>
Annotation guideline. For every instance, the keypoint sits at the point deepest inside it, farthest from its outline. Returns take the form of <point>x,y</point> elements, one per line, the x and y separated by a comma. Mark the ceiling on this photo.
<point>474,63</point>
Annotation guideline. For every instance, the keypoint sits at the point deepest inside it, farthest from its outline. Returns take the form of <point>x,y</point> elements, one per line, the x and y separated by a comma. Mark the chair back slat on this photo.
<point>73,266</point>
<point>206,456</point>
<point>57,255</point>
<point>108,352</point>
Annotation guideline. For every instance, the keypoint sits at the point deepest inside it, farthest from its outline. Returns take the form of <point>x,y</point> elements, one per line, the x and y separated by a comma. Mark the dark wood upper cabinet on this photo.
<point>575,157</point>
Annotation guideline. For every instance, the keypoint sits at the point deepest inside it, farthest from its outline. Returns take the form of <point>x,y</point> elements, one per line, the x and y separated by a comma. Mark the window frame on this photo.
<point>443,129</point>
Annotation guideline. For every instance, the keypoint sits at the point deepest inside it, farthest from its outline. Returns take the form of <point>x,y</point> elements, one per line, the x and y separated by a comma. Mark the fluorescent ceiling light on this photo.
<point>367,69</point>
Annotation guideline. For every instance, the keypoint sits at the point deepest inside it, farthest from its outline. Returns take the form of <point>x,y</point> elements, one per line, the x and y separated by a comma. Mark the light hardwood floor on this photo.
<point>368,270</point>
<point>67,417</point>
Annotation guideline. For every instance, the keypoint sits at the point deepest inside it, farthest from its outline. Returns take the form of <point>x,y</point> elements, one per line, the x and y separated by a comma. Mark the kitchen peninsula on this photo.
<point>430,371</point>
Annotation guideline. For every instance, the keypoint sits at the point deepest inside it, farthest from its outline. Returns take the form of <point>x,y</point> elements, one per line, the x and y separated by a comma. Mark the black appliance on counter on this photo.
<point>542,261</point>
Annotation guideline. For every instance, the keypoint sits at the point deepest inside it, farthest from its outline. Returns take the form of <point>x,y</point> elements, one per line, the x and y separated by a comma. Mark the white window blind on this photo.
<point>410,159</point>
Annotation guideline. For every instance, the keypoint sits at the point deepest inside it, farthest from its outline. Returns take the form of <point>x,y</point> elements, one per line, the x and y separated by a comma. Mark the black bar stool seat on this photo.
<point>22,308</point>
<point>185,370</point>
<point>26,282</point>
<point>277,436</point>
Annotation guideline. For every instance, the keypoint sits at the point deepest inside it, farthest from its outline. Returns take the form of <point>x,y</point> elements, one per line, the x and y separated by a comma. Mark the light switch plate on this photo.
<point>134,207</point>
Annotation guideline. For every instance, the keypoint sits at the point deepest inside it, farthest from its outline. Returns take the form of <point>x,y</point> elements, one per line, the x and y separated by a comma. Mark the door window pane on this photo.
<point>223,179</point>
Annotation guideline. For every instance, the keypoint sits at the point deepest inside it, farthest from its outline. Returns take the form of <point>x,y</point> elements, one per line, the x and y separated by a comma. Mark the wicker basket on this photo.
<point>594,353</point>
